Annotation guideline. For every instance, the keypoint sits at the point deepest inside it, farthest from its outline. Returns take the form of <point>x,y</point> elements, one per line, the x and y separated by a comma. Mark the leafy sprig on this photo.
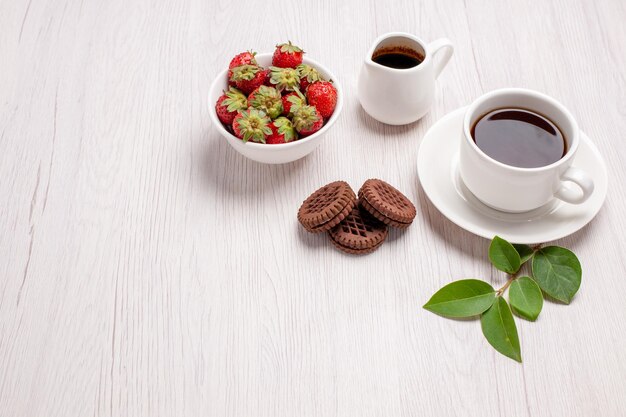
<point>556,272</point>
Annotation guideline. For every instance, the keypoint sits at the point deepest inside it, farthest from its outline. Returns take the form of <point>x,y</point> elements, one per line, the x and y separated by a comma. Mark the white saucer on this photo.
<point>437,167</point>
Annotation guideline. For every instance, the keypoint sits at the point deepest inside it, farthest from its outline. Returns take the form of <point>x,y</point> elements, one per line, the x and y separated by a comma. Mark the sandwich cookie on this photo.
<point>326,207</point>
<point>386,203</point>
<point>359,233</point>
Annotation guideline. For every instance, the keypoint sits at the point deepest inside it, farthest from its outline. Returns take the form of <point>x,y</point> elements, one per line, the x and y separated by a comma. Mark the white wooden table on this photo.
<point>147,269</point>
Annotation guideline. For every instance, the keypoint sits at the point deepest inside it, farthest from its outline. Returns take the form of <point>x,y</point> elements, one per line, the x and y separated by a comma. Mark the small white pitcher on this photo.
<point>402,96</point>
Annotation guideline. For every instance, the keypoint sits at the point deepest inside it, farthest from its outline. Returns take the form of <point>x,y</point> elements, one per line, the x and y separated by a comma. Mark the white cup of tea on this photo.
<point>396,84</point>
<point>507,144</point>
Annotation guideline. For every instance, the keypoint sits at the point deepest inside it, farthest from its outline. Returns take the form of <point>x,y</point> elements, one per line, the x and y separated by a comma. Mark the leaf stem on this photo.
<point>508,283</point>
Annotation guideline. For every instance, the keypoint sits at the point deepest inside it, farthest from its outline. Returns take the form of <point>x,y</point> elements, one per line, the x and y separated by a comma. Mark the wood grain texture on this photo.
<point>147,269</point>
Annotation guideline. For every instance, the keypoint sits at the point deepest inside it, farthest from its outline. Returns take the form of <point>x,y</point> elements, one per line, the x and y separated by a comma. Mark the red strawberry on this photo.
<point>308,75</point>
<point>244,58</point>
<point>248,77</point>
<point>267,99</point>
<point>223,114</point>
<point>307,120</point>
<point>229,104</point>
<point>322,95</point>
<point>252,124</point>
<point>287,55</point>
<point>282,131</point>
<point>294,98</point>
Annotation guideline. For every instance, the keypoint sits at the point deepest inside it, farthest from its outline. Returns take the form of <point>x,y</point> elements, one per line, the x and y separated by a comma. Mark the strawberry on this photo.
<point>282,131</point>
<point>248,77</point>
<point>308,75</point>
<point>229,104</point>
<point>284,78</point>
<point>291,101</point>
<point>307,120</point>
<point>322,95</point>
<point>244,58</point>
<point>267,99</point>
<point>287,55</point>
<point>252,124</point>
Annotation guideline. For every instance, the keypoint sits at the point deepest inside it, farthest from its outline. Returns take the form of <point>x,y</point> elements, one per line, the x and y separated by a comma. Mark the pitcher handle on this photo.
<point>447,49</point>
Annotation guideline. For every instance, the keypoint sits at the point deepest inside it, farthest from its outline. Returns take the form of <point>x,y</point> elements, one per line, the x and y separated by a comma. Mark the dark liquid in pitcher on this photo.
<point>519,137</point>
<point>397,57</point>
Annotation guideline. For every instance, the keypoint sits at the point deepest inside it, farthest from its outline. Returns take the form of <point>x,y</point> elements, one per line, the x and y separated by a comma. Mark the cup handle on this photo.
<point>571,195</point>
<point>434,47</point>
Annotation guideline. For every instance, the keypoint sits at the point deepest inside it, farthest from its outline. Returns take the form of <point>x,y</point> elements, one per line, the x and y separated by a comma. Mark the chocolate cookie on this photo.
<point>359,233</point>
<point>326,207</point>
<point>386,203</point>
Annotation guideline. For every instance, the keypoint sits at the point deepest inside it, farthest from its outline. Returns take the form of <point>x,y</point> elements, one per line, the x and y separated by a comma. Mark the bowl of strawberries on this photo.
<point>275,107</point>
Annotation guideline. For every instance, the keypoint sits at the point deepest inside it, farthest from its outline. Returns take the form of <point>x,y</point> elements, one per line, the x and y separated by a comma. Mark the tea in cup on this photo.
<point>517,150</point>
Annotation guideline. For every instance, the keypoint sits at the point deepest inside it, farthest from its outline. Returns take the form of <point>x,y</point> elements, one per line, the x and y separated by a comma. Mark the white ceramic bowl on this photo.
<point>280,153</point>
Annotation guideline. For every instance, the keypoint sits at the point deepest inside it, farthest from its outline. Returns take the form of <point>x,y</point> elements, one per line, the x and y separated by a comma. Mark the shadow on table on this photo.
<point>385,131</point>
<point>475,245</point>
<point>225,169</point>
<point>396,234</point>
<point>578,238</point>
<point>312,240</point>
<point>466,242</point>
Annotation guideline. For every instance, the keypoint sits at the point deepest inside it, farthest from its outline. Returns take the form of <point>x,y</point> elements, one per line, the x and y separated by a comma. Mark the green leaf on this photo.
<point>525,252</point>
<point>464,298</point>
<point>285,127</point>
<point>289,48</point>
<point>504,256</point>
<point>558,272</point>
<point>500,331</point>
<point>244,72</point>
<point>526,298</point>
